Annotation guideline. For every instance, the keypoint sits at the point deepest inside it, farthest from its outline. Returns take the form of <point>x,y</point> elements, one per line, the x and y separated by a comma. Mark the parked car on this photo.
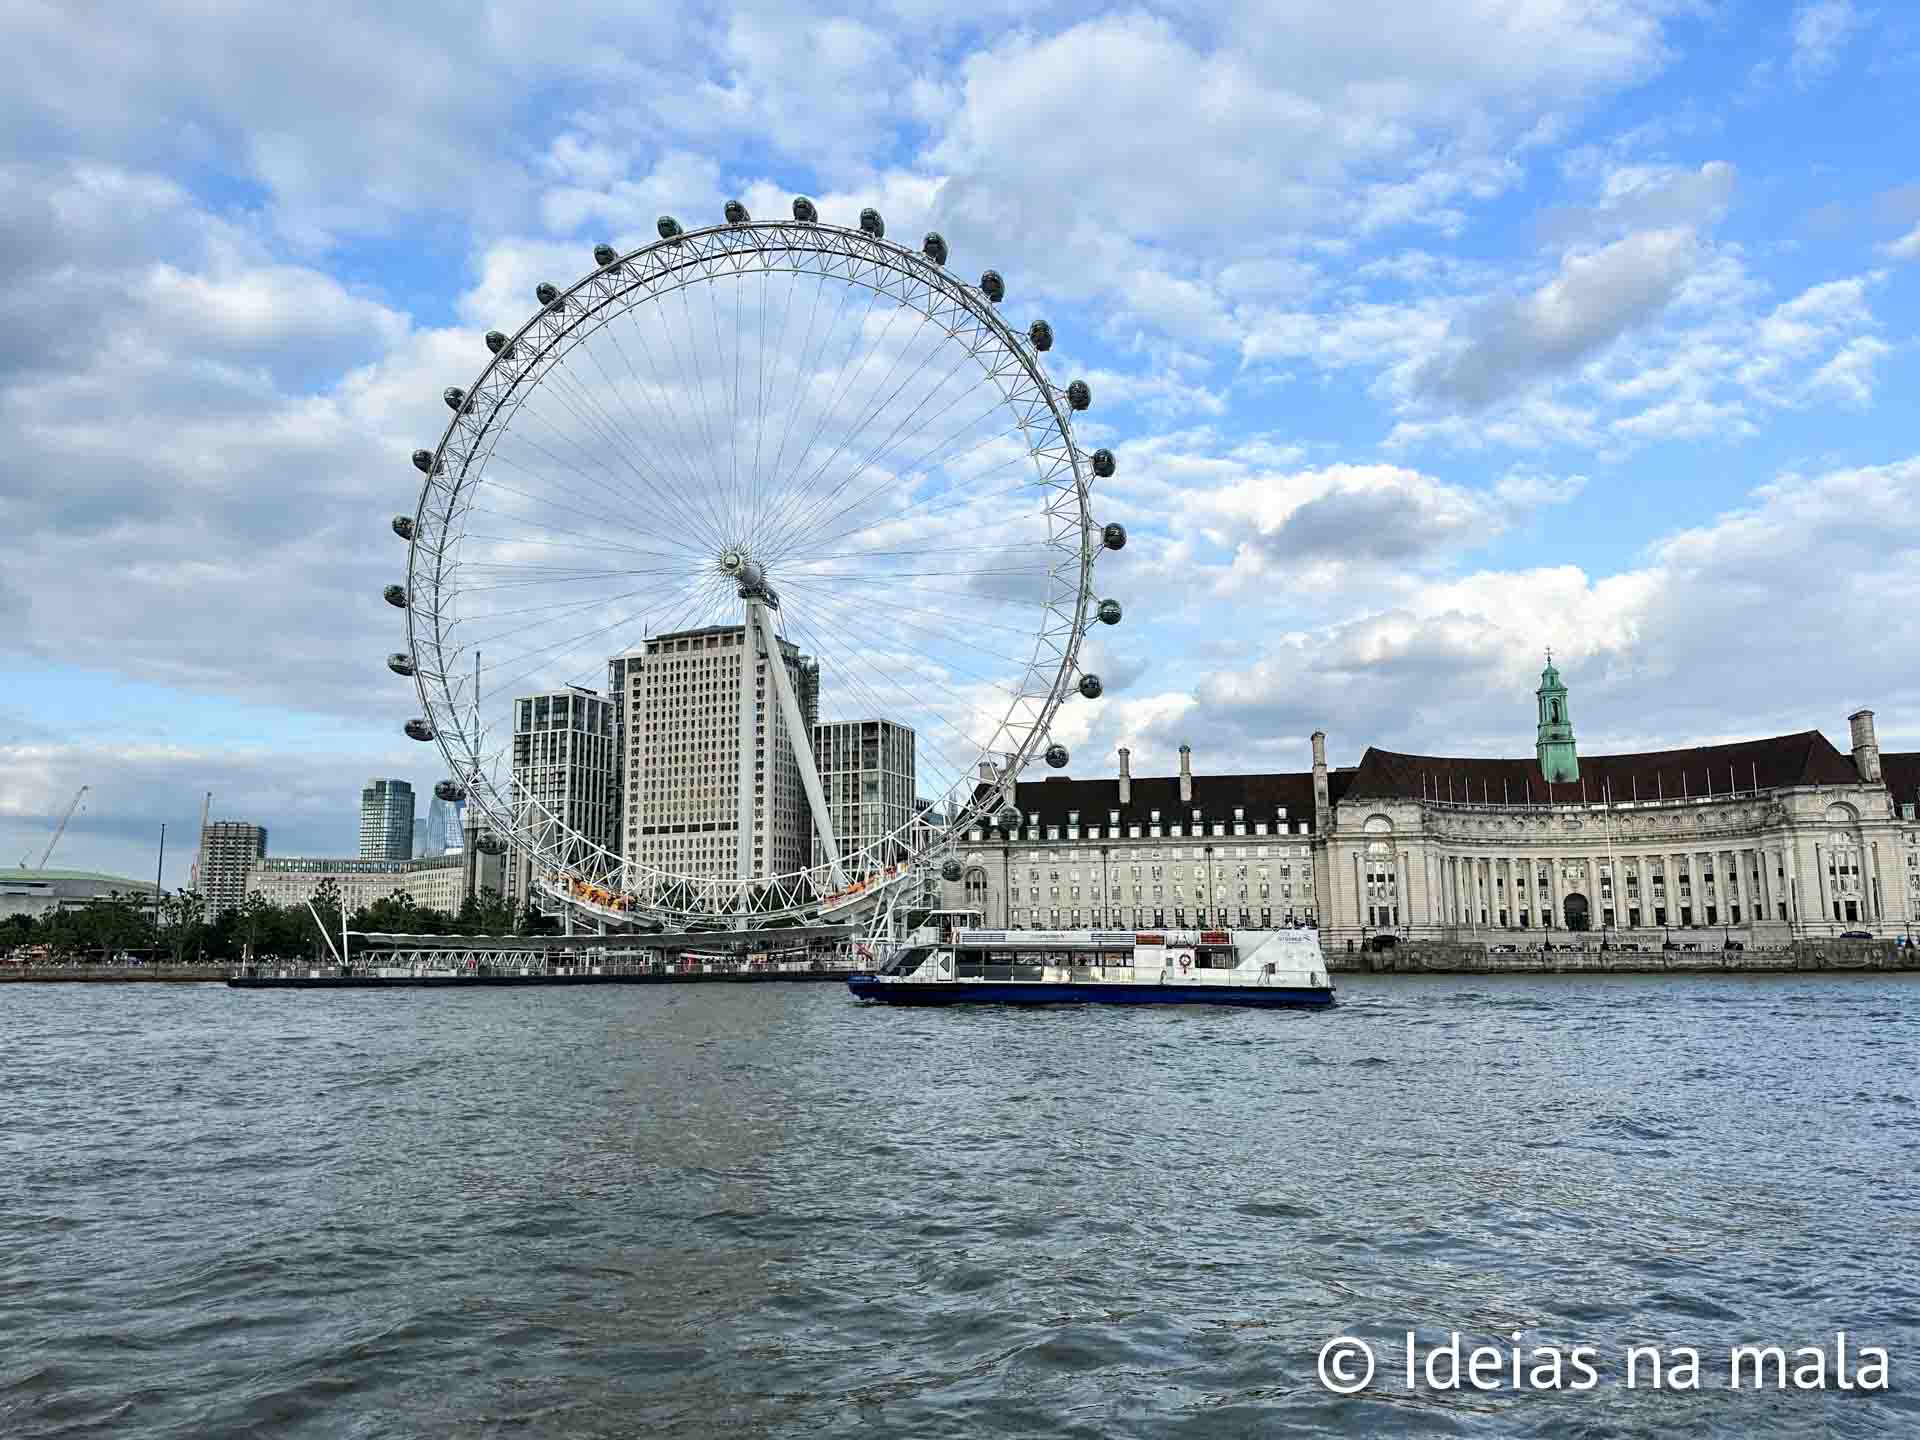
<point>1502,949</point>
<point>1734,945</point>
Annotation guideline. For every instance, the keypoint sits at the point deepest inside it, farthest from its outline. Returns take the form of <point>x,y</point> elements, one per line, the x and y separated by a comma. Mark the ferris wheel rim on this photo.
<point>620,287</point>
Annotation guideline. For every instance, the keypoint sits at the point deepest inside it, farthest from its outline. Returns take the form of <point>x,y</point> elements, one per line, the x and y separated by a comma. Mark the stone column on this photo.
<point>1820,875</point>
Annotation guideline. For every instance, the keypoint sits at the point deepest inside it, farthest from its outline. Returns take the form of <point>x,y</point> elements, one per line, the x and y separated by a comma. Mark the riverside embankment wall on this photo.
<point>1442,958</point>
<point>112,973</point>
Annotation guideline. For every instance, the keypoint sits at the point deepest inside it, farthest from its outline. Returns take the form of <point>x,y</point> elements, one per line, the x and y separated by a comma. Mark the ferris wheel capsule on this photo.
<point>396,596</point>
<point>668,227</point>
<point>423,461</point>
<point>400,663</point>
<point>1057,756</point>
<point>1114,536</point>
<point>1103,463</point>
<point>450,790</point>
<point>951,871</point>
<point>803,210</point>
<point>871,222</point>
<point>1090,686</point>
<point>547,295</point>
<point>604,255</point>
<point>418,729</point>
<point>1008,819</point>
<point>1079,395</point>
<point>1109,612</point>
<point>455,398</point>
<point>992,286</point>
<point>735,212</point>
<point>500,344</point>
<point>1041,333</point>
<point>935,246</point>
<point>403,526</point>
<point>488,843</point>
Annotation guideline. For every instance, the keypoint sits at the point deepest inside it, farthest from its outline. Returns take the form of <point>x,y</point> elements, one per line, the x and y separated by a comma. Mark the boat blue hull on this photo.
<point>908,992</point>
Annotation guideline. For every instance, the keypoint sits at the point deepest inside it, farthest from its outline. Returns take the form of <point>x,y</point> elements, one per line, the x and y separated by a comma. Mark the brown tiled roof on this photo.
<point>1215,796</point>
<point>1806,758</point>
<point>1901,770</point>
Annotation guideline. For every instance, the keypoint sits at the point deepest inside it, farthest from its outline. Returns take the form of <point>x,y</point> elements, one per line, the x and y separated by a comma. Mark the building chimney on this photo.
<point>1866,748</point>
<point>1322,808</point>
<point>1186,774</point>
<point>986,772</point>
<point>1126,778</point>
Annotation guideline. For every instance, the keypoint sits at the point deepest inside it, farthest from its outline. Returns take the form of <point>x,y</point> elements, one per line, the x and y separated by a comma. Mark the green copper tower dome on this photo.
<point>1558,761</point>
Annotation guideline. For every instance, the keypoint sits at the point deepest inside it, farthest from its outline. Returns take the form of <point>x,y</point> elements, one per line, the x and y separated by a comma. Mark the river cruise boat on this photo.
<point>948,964</point>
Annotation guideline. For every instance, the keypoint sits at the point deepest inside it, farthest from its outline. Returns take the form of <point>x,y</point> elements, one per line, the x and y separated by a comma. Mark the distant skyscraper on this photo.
<point>386,820</point>
<point>698,801</point>
<point>867,773</point>
<point>441,829</point>
<point>562,765</point>
<point>228,850</point>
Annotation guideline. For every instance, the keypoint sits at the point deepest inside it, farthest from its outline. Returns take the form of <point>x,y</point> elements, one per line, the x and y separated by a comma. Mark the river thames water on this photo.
<point>708,1211</point>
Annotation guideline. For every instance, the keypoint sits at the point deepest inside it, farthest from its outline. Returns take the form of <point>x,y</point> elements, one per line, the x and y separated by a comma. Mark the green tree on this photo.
<point>183,923</point>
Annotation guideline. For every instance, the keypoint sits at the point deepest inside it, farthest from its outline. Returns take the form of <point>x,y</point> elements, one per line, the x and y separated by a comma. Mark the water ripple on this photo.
<point>772,1212</point>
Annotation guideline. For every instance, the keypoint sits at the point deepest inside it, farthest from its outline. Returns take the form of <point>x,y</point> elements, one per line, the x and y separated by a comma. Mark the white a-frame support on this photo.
<point>798,735</point>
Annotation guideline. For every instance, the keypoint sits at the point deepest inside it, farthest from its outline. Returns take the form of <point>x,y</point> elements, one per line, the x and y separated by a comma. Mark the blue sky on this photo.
<point>1427,336</point>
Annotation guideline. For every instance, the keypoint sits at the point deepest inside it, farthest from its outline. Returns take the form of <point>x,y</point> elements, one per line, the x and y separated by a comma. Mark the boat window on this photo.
<point>907,961</point>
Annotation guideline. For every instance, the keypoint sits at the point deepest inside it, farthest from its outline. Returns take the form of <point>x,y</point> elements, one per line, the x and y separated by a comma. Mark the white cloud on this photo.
<point>1642,197</point>
<point>1821,30</point>
<point>1595,299</point>
<point>1907,247</point>
<point>1849,374</point>
<point>1657,655</point>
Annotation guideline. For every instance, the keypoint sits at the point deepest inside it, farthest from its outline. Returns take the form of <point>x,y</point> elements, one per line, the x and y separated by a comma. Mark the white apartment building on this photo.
<point>712,783</point>
<point>228,850</point>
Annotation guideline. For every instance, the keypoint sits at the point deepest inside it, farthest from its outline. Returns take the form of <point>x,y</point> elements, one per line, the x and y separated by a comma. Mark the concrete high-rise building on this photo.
<point>867,772</point>
<point>618,690</point>
<point>563,768</point>
<point>228,850</point>
<point>712,783</point>
<point>386,821</point>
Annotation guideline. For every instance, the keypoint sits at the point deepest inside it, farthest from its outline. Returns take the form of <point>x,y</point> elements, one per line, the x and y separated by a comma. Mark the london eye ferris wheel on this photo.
<point>803,475</point>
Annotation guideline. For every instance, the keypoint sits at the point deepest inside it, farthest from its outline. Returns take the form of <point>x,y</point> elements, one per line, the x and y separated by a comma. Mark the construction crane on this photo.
<point>199,851</point>
<point>58,831</point>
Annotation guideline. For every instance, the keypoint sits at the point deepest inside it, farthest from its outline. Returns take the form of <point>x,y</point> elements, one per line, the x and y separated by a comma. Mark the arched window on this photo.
<point>1554,707</point>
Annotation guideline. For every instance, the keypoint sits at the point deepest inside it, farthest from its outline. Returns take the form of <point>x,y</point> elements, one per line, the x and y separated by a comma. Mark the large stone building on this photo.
<point>439,882</point>
<point>1760,841</point>
<point>1186,850</point>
